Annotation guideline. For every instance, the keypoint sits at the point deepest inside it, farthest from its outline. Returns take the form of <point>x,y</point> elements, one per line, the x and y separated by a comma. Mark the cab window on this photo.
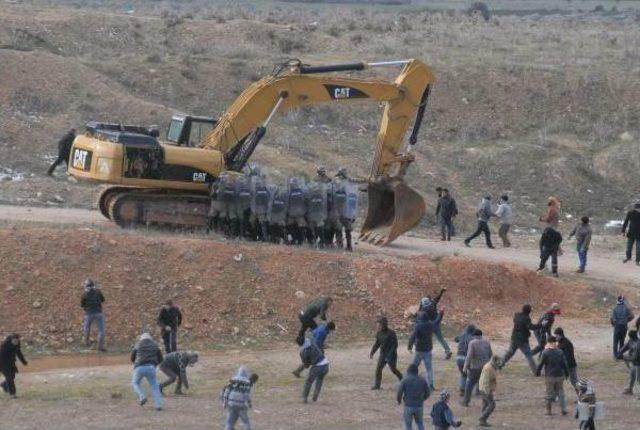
<point>199,131</point>
<point>175,130</point>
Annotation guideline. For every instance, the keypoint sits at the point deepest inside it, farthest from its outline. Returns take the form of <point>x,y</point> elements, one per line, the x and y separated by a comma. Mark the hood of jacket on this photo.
<point>242,374</point>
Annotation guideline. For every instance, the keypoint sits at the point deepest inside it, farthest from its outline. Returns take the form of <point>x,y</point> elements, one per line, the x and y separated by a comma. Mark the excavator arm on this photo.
<point>394,208</point>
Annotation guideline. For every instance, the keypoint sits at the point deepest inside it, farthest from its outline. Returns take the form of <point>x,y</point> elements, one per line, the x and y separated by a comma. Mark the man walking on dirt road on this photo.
<point>463,346</point>
<point>488,383</point>
<point>422,338</point>
<point>145,356</point>
<point>413,390</point>
<point>169,319</point>
<point>505,215</point>
<point>565,345</point>
<point>313,358</point>
<point>631,227</point>
<point>446,212</point>
<point>549,247</point>
<point>583,233</point>
<point>64,150</point>
<point>91,301</point>
<point>621,316</point>
<point>520,334</point>
<point>478,354</point>
<point>387,342</point>
<point>632,359</point>
<point>484,214</point>
<point>555,371</point>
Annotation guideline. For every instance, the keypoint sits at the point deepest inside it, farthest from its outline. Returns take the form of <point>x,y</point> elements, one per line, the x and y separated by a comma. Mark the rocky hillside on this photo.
<point>533,105</point>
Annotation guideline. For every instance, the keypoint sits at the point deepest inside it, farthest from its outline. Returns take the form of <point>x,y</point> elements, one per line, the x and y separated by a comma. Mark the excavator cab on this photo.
<point>189,130</point>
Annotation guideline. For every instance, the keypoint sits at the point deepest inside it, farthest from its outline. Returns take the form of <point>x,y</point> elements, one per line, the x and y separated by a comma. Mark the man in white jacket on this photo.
<point>505,215</point>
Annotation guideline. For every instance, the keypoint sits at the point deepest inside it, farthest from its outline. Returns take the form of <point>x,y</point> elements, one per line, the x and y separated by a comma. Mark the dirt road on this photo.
<point>605,259</point>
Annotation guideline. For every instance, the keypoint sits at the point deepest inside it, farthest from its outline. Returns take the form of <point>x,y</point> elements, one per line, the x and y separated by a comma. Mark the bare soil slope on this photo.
<point>235,293</point>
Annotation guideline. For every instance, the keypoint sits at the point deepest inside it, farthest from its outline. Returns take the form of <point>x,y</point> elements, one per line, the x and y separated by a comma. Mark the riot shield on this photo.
<point>338,199</point>
<point>243,194</point>
<point>297,198</point>
<point>317,202</point>
<point>350,210</point>
<point>277,213</point>
<point>260,195</point>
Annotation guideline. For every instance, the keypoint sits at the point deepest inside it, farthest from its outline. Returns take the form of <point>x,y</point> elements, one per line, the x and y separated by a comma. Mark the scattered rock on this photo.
<point>9,288</point>
<point>69,339</point>
<point>39,194</point>
<point>238,257</point>
<point>300,294</point>
<point>199,288</point>
<point>36,305</point>
<point>626,137</point>
<point>236,330</point>
<point>58,199</point>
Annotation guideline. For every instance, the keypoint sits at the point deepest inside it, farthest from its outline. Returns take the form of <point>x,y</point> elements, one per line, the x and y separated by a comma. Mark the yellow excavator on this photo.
<point>168,182</point>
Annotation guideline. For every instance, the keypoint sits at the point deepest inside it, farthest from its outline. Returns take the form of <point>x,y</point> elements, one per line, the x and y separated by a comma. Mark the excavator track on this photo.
<point>134,207</point>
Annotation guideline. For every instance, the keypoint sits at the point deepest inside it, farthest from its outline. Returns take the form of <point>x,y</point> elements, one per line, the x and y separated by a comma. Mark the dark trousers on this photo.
<point>588,424</point>
<point>55,164</point>
<point>9,384</point>
<point>483,227</point>
<point>382,361</point>
<point>173,376</point>
<point>306,323</point>
<point>619,335</point>
<point>316,375</point>
<point>446,228</point>
<point>488,405</point>
<point>526,351</point>
<point>170,339</point>
<point>473,376</point>
<point>544,256</point>
<point>630,242</point>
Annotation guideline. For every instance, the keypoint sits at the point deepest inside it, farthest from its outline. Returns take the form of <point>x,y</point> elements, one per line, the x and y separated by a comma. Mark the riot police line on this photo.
<point>248,206</point>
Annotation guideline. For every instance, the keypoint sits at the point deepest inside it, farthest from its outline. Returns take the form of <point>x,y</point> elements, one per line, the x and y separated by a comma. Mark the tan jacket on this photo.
<point>488,379</point>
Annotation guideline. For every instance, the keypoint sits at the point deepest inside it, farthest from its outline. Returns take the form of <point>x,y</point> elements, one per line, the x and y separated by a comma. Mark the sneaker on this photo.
<point>580,270</point>
<point>540,272</point>
<point>314,398</point>
<point>491,247</point>
<point>375,387</point>
<point>296,373</point>
<point>103,349</point>
<point>564,413</point>
<point>484,423</point>
<point>158,409</point>
<point>626,260</point>
<point>555,275</point>
<point>143,402</point>
<point>448,355</point>
<point>178,393</point>
<point>628,392</point>
<point>467,244</point>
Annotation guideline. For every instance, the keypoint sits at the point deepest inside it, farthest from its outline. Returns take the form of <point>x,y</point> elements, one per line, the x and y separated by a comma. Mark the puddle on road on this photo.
<point>72,361</point>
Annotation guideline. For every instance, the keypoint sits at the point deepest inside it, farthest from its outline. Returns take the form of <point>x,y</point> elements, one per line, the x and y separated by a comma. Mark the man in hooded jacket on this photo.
<point>145,356</point>
<point>236,399</point>
<point>520,334</point>
<point>631,228</point>
<point>387,342</point>
<point>91,301</point>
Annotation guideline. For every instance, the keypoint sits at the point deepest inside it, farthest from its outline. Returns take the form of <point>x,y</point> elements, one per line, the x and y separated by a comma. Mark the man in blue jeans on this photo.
<point>429,306</point>
<point>422,338</point>
<point>414,390</point>
<point>91,302</point>
<point>583,233</point>
<point>146,356</point>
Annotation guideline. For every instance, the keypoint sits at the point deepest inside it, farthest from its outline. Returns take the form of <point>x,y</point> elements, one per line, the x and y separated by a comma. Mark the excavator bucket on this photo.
<point>394,209</point>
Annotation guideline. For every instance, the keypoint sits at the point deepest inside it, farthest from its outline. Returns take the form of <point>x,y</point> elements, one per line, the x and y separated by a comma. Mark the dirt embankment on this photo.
<point>241,293</point>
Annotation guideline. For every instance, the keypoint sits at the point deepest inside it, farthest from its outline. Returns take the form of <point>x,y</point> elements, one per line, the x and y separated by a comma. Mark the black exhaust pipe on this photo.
<point>306,70</point>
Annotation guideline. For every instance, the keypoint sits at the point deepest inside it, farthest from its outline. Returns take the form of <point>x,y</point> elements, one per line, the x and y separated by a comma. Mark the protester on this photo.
<point>429,306</point>
<point>545,325</point>
<point>64,150</point>
<point>10,351</point>
<point>549,247</point>
<point>505,215</point>
<point>169,320</point>
<point>319,335</point>
<point>488,383</point>
<point>555,372</point>
<point>422,338</point>
<point>633,359</point>
<point>478,354</point>
<point>566,347</point>
<point>484,214</point>
<point>583,233</point>
<point>441,414</point>
<point>175,366</point>
<point>520,334</point>
<point>145,356</point>
<point>413,390</point>
<point>318,307</point>
<point>621,316</point>
<point>312,357</point>
<point>387,342</point>
<point>463,344</point>
<point>587,397</point>
<point>447,210</point>
<point>236,399</point>
<point>631,228</point>
<point>552,216</point>
<point>91,301</point>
